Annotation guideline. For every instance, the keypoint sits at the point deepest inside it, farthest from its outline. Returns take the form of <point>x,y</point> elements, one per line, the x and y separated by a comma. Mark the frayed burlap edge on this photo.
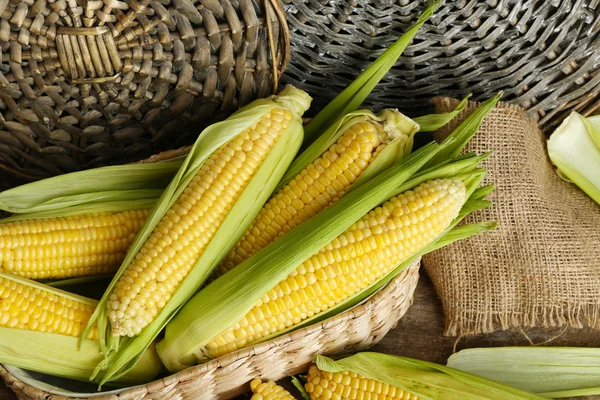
<point>503,289</point>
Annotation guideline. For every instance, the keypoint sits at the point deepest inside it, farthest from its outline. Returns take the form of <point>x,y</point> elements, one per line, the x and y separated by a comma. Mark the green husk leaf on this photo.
<point>105,184</point>
<point>459,166</point>
<point>593,125</point>
<point>573,151</point>
<point>86,208</point>
<point>465,131</point>
<point>483,191</point>
<point>58,355</point>
<point>223,302</point>
<point>121,352</point>
<point>423,379</point>
<point>571,393</point>
<point>298,385</point>
<point>433,122</point>
<point>553,372</point>
<point>398,126</point>
<point>354,95</point>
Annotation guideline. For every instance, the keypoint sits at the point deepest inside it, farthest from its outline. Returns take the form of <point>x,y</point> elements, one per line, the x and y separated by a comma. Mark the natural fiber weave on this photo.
<point>544,55</point>
<point>541,266</point>
<point>230,375</point>
<point>88,83</point>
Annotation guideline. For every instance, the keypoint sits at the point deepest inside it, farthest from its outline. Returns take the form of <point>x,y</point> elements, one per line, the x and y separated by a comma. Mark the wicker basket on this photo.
<point>85,83</point>
<point>544,55</point>
<point>229,376</point>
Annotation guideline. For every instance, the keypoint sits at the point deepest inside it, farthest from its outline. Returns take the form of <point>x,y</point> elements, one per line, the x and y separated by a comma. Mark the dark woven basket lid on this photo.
<point>544,55</point>
<point>85,83</point>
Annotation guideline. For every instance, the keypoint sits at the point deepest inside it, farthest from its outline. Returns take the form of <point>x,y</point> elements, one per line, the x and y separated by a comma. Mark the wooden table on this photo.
<point>420,334</point>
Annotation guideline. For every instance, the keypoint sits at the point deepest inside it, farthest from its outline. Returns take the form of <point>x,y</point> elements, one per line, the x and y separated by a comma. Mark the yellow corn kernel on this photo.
<point>339,384</point>
<point>367,251</point>
<point>320,184</point>
<point>181,236</point>
<point>35,309</point>
<point>268,391</point>
<point>66,247</point>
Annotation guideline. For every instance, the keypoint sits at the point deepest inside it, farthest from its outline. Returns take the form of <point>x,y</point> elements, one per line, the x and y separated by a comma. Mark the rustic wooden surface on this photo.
<point>420,335</point>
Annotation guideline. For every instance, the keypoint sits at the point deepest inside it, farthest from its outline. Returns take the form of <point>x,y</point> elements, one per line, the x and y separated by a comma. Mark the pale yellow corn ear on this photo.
<point>268,391</point>
<point>183,233</point>
<point>365,252</point>
<point>66,247</point>
<point>31,306</point>
<point>347,385</point>
<point>318,185</point>
<point>323,181</point>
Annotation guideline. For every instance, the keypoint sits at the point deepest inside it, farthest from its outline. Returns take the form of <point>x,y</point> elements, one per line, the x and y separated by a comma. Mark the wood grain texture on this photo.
<point>420,335</point>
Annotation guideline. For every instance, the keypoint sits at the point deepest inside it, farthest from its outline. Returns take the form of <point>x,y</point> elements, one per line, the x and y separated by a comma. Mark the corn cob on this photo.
<point>369,249</point>
<point>268,391</point>
<point>30,306</point>
<point>347,385</point>
<point>322,182</point>
<point>376,376</point>
<point>233,160</point>
<point>184,232</point>
<point>82,245</point>
<point>39,330</point>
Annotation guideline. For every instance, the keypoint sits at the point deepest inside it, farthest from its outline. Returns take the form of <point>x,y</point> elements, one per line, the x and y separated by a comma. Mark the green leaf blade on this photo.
<point>355,94</point>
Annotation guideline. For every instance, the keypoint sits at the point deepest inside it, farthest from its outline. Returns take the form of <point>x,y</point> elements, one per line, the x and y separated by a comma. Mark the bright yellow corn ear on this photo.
<point>268,391</point>
<point>357,148</point>
<point>325,385</point>
<point>66,247</point>
<point>225,180</point>
<point>376,376</point>
<point>365,252</point>
<point>39,330</point>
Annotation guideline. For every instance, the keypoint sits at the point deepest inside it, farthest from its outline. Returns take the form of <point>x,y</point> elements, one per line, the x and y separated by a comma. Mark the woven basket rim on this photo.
<point>232,358</point>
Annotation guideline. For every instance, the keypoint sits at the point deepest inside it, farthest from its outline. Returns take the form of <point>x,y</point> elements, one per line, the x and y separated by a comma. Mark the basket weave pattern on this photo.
<point>544,55</point>
<point>230,375</point>
<point>87,83</point>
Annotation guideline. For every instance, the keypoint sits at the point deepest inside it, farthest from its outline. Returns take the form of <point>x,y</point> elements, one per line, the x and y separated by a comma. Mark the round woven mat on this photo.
<point>85,83</point>
<point>544,55</point>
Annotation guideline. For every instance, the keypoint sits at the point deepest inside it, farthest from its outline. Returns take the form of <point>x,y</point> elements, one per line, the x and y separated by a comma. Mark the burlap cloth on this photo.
<point>541,266</point>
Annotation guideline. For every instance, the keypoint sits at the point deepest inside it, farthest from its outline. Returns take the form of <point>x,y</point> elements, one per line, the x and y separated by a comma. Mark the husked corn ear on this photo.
<point>365,252</point>
<point>181,236</point>
<point>268,391</point>
<point>31,308</point>
<point>67,247</point>
<point>320,184</point>
<point>323,385</point>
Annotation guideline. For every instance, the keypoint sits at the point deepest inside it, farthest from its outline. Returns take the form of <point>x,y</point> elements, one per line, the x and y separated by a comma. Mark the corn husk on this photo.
<point>399,128</point>
<point>573,148</point>
<point>433,122</point>
<point>425,380</point>
<point>463,134</point>
<point>59,355</point>
<point>91,187</point>
<point>594,130</point>
<point>553,372</point>
<point>226,300</point>
<point>353,96</point>
<point>122,352</point>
